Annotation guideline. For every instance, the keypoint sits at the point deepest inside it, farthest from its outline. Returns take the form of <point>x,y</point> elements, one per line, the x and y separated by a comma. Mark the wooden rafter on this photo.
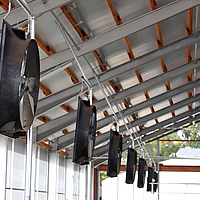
<point>72,75</point>
<point>189,30</point>
<point>63,153</point>
<point>5,4</point>
<point>44,145</point>
<point>154,6</point>
<point>130,52</point>
<point>103,167</point>
<point>73,23</point>
<point>43,119</point>
<point>105,112</point>
<point>45,90</point>
<point>66,108</point>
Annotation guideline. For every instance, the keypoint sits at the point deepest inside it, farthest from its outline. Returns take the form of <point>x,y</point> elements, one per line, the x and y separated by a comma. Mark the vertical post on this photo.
<point>158,149</point>
<point>117,187</point>
<point>32,27</point>
<point>52,173</point>
<point>4,161</point>
<point>89,181</point>
<point>86,181</point>
<point>29,163</point>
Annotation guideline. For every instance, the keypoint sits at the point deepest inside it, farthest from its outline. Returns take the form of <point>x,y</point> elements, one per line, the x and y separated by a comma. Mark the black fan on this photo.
<point>149,178</point>
<point>155,177</point>
<point>131,166</point>
<point>115,154</point>
<point>85,132</point>
<point>19,81</point>
<point>141,173</point>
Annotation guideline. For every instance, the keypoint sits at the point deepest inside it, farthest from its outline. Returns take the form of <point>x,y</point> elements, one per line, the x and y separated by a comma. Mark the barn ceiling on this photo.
<point>143,52</point>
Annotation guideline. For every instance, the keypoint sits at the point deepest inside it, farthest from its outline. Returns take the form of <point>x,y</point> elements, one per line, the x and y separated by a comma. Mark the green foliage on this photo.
<point>103,176</point>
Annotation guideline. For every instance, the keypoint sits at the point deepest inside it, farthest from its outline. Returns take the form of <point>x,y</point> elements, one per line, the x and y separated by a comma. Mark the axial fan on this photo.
<point>115,154</point>
<point>85,132</point>
<point>155,177</point>
<point>141,173</point>
<point>131,166</point>
<point>19,81</point>
<point>149,178</point>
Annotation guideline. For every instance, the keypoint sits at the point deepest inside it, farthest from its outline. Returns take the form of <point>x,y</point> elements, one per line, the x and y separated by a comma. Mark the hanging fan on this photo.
<point>85,132</point>
<point>149,178</point>
<point>131,166</point>
<point>141,173</point>
<point>155,177</point>
<point>115,154</point>
<point>19,81</point>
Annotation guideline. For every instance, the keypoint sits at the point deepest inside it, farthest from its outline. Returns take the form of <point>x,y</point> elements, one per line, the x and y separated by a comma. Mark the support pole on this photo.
<point>58,21</point>
<point>104,94</point>
<point>158,167</point>
<point>29,150</point>
<point>89,181</point>
<point>29,163</point>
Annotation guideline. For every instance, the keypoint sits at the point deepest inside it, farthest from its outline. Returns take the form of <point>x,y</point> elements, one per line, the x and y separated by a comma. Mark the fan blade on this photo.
<point>31,100</point>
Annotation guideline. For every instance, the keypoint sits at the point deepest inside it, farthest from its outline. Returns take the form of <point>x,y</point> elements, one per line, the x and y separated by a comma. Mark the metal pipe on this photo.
<point>58,21</point>
<point>29,163</point>
<point>89,181</point>
<point>158,149</point>
<point>32,27</point>
<point>131,137</point>
<point>9,9</point>
<point>135,135</point>
<point>26,7</point>
<point>74,55</point>
<point>104,94</point>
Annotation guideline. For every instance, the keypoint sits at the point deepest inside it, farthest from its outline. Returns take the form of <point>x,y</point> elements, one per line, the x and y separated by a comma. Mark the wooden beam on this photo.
<point>72,75</point>
<point>63,153</point>
<point>189,30</point>
<point>118,22</point>
<point>125,103</point>
<point>45,90</point>
<point>115,88</point>
<point>46,48</point>
<point>101,65</point>
<point>66,108</point>
<point>42,144</point>
<point>73,23</point>
<point>167,168</point>
<point>130,51</point>
<point>43,119</point>
<point>154,6</point>
<point>65,131</point>
<point>105,112</point>
<point>5,4</point>
<point>98,133</point>
<point>116,17</point>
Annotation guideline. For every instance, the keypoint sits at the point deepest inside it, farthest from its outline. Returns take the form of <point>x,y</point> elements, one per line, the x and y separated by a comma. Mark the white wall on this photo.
<point>53,177</point>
